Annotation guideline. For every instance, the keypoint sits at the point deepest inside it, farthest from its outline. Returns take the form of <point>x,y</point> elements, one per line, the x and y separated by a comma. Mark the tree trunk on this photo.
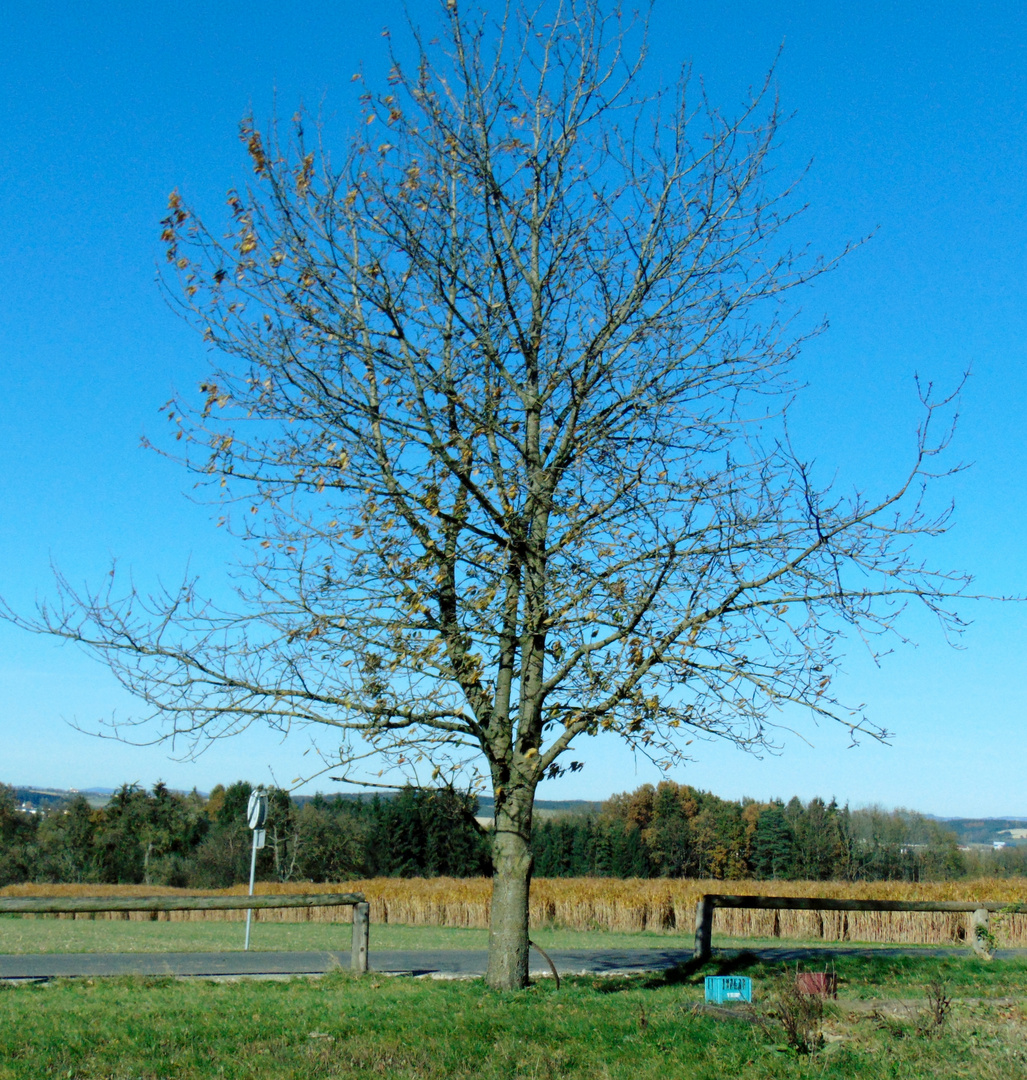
<point>511,882</point>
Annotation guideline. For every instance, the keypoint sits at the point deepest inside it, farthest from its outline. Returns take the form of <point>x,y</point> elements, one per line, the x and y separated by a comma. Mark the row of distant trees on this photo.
<point>161,837</point>
<point>676,831</point>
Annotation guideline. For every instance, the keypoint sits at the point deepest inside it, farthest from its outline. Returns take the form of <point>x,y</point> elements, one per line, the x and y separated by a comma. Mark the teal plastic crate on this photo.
<point>724,988</point>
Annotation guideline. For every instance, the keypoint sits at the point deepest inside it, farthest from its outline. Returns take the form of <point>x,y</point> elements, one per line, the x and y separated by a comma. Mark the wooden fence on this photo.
<point>55,905</point>
<point>979,913</point>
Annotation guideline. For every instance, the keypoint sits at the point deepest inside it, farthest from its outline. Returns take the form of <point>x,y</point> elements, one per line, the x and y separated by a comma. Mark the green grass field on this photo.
<point>19,935</point>
<point>31,935</point>
<point>640,1028</point>
<point>637,1028</point>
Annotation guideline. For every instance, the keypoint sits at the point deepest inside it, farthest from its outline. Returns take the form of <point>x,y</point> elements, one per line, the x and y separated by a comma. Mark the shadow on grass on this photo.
<point>748,962</point>
<point>694,971</point>
<point>690,973</point>
<point>853,966</point>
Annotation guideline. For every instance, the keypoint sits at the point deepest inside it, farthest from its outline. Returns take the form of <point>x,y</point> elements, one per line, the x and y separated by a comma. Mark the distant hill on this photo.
<point>56,798</point>
<point>1011,830</point>
<point>42,798</point>
<point>988,830</point>
<point>50,798</point>
<point>544,807</point>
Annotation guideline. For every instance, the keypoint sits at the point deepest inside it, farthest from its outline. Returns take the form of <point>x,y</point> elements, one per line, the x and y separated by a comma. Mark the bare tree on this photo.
<point>500,400</point>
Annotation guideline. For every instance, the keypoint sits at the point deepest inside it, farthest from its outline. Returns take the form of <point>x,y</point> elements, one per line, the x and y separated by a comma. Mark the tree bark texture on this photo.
<point>511,884</point>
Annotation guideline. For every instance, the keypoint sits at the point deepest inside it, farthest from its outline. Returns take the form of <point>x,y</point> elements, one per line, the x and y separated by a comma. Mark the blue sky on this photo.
<point>915,120</point>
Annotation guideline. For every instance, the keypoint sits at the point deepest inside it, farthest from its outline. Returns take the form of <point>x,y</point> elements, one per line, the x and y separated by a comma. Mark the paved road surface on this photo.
<point>439,962</point>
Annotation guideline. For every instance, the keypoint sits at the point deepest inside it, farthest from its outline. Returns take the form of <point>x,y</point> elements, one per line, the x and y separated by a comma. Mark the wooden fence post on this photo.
<point>980,938</point>
<point>361,936</point>
<point>703,929</point>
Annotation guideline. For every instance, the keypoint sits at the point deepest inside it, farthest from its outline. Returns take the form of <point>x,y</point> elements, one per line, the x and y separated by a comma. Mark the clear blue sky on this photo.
<point>914,118</point>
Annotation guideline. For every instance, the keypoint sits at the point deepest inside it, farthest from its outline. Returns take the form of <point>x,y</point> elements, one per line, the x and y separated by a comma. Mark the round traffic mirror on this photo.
<point>256,810</point>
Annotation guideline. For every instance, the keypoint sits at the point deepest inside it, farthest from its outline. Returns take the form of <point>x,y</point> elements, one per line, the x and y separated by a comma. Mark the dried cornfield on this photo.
<point>661,905</point>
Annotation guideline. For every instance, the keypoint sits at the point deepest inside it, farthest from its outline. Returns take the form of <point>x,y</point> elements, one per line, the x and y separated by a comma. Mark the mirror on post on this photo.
<point>256,818</point>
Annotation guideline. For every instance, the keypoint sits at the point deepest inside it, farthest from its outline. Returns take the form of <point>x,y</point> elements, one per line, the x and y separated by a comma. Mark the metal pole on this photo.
<point>253,870</point>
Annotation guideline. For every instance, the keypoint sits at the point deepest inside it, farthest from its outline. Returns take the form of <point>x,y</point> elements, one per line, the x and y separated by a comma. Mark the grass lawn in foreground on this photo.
<point>639,1028</point>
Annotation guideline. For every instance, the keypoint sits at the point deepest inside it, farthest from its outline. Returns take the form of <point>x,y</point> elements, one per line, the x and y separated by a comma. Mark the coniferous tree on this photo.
<point>773,849</point>
<point>455,845</point>
<point>602,848</point>
<point>121,856</point>
<point>543,850</point>
<point>632,855</point>
<point>581,849</point>
<point>817,841</point>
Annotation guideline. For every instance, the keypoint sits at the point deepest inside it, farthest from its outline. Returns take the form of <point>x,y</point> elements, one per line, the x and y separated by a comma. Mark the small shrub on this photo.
<point>799,1014</point>
<point>931,1019</point>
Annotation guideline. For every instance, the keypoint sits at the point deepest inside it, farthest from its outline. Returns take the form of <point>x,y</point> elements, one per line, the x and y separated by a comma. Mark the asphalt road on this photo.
<point>443,963</point>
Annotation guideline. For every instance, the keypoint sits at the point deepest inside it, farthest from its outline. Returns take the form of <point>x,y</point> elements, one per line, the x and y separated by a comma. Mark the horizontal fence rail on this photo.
<point>813,903</point>
<point>978,909</point>
<point>42,905</point>
<point>64,905</point>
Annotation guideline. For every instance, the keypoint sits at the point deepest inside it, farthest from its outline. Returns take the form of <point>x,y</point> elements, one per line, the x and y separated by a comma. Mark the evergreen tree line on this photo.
<point>674,830</point>
<point>161,837</point>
